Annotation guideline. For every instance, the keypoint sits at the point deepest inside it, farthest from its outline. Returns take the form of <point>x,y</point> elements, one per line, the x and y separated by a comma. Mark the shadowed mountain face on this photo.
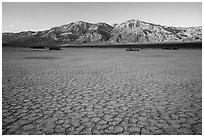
<point>77,33</point>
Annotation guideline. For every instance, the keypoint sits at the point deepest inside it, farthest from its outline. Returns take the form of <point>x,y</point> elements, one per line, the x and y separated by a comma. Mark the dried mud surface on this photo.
<point>101,91</point>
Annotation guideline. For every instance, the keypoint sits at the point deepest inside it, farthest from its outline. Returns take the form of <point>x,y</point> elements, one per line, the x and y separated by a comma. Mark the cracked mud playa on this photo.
<point>101,91</point>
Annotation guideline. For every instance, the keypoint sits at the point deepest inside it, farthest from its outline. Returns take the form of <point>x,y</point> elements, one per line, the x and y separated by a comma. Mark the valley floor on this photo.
<point>101,91</point>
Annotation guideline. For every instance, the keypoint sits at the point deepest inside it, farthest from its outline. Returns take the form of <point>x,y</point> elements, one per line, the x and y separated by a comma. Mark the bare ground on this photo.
<point>101,91</point>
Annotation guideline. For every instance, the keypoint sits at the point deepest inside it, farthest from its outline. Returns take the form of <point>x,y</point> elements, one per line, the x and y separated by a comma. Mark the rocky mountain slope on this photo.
<point>134,31</point>
<point>78,33</point>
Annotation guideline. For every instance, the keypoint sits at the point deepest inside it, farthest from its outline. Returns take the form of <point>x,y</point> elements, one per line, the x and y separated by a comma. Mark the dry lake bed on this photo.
<point>101,91</point>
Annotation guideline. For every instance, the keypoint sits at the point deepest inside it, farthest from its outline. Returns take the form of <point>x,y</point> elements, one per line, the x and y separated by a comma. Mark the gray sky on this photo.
<point>40,16</point>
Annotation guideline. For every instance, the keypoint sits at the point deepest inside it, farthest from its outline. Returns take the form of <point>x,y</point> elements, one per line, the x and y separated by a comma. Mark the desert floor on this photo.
<point>101,91</point>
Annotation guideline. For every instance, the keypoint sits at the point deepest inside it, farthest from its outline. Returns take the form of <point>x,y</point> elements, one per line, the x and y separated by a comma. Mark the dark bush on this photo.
<point>54,48</point>
<point>166,48</point>
<point>37,47</point>
<point>129,49</point>
<point>132,49</point>
<point>170,48</point>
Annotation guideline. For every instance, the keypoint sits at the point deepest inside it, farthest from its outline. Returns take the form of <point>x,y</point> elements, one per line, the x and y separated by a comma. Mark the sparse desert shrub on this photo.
<point>129,49</point>
<point>166,48</point>
<point>170,48</point>
<point>37,47</point>
<point>55,48</point>
<point>132,49</point>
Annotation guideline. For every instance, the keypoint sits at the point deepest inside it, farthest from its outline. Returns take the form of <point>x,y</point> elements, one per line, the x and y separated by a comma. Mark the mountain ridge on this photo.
<point>80,32</point>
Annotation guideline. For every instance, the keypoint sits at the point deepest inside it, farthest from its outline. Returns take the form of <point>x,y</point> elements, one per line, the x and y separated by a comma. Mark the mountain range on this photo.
<point>83,33</point>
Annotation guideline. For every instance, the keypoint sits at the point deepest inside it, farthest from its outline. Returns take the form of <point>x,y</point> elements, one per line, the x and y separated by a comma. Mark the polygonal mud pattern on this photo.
<point>102,91</point>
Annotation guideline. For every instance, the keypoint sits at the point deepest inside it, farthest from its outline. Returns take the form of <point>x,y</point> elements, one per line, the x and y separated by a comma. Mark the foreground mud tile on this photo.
<point>134,130</point>
<point>70,130</point>
<point>87,131</point>
<point>59,129</point>
<point>118,129</point>
<point>185,131</point>
<point>95,119</point>
<point>145,131</point>
<point>75,122</point>
<point>197,129</point>
<point>24,133</point>
<point>28,127</point>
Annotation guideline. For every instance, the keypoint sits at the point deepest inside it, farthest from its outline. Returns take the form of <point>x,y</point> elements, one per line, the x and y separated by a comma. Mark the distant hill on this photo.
<point>83,33</point>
